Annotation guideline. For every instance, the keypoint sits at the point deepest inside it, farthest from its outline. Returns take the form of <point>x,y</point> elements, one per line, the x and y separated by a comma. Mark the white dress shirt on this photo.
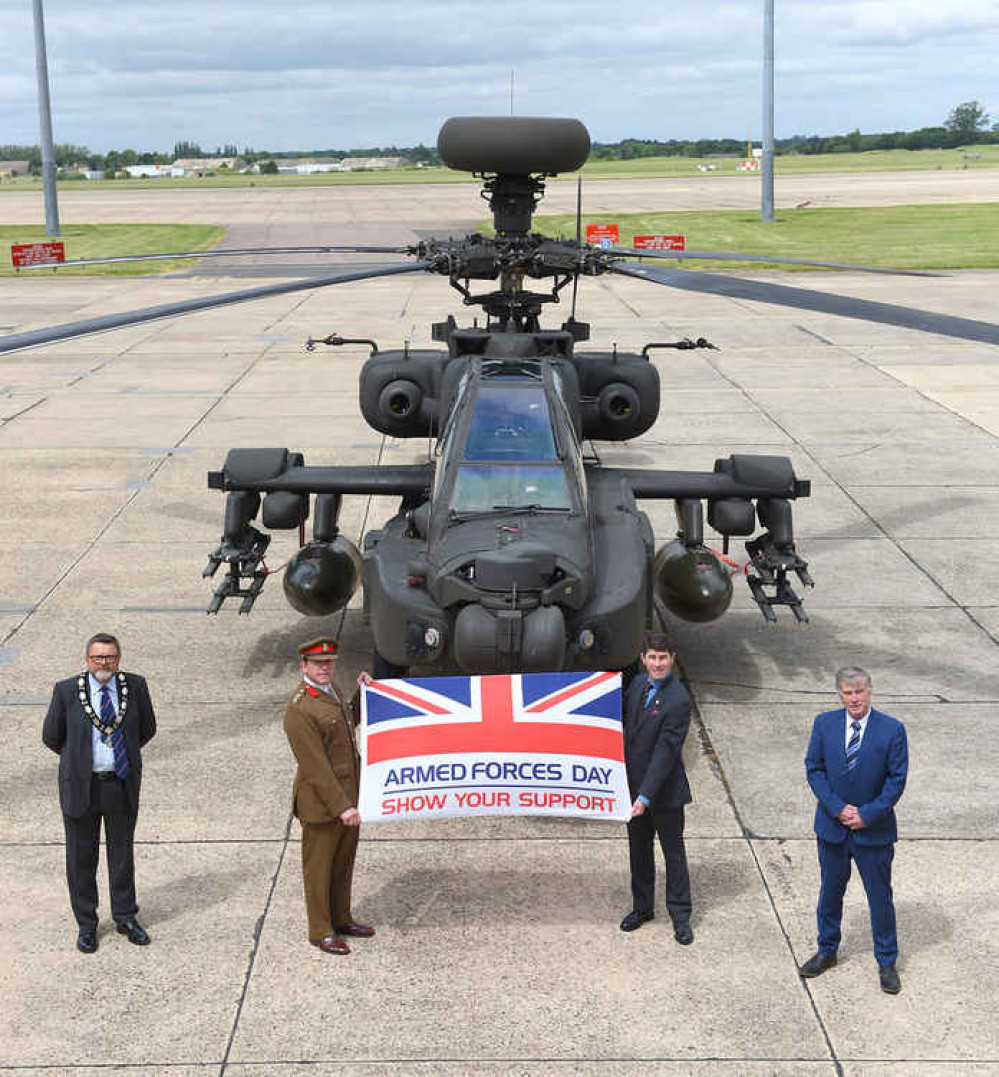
<point>103,753</point>
<point>849,728</point>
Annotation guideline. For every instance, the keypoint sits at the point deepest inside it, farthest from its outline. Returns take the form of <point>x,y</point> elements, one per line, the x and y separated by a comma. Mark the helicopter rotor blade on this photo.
<point>71,330</point>
<point>224,252</point>
<point>811,300</point>
<point>723,256</point>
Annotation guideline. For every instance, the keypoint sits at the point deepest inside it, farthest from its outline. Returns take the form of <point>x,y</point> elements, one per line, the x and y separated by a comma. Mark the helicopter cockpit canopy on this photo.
<point>509,457</point>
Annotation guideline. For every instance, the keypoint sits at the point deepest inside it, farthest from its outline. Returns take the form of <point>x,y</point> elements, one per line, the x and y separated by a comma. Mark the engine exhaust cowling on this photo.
<point>321,578</point>
<point>691,582</point>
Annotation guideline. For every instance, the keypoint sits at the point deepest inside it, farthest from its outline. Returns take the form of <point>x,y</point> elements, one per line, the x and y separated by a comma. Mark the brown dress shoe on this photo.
<point>331,944</point>
<point>356,930</point>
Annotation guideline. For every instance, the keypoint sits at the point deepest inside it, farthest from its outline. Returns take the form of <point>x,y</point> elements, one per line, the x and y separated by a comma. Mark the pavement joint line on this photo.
<point>24,411</point>
<point>748,838</point>
<point>257,932</point>
<point>879,527</point>
<point>135,493</point>
<point>816,336</point>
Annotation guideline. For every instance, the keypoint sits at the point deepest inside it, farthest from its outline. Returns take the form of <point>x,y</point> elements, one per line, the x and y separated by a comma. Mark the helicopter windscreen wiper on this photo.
<point>460,516</point>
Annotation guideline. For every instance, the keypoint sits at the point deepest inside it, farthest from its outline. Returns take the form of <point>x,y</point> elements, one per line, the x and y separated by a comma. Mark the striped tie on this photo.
<point>853,748</point>
<point>108,717</point>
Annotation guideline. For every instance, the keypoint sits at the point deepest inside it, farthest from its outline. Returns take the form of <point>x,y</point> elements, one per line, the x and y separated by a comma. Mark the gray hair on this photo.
<point>852,674</point>
<point>103,637</point>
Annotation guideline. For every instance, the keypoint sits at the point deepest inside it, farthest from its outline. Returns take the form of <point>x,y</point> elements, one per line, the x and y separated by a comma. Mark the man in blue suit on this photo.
<point>857,763</point>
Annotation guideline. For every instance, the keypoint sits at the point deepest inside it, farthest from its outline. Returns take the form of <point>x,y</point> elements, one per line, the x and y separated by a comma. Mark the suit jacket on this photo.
<point>320,730</point>
<point>68,731</point>
<point>873,786</point>
<point>653,743</point>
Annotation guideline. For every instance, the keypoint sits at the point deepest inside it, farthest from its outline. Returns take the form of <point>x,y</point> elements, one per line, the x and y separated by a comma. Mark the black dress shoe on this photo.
<point>683,933</point>
<point>817,964</point>
<point>634,920</point>
<point>890,982</point>
<point>86,942</point>
<point>134,930</point>
<point>356,930</point>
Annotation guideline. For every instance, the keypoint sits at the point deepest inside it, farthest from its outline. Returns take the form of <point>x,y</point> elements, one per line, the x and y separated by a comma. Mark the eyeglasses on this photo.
<point>103,659</point>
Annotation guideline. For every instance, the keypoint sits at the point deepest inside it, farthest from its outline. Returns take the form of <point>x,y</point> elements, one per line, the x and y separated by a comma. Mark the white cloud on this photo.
<point>300,74</point>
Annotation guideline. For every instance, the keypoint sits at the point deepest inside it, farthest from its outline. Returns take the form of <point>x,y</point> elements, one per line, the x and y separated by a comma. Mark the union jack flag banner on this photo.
<point>511,744</point>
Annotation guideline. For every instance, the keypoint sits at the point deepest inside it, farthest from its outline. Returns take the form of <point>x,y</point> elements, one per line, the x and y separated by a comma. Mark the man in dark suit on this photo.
<point>97,722</point>
<point>857,763</point>
<point>319,724</point>
<point>656,720</point>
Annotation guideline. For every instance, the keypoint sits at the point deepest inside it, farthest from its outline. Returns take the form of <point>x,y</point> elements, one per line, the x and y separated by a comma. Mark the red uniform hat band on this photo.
<point>313,649</point>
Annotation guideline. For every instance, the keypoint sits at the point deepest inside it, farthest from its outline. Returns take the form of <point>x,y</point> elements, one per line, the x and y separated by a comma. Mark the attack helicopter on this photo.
<point>512,548</point>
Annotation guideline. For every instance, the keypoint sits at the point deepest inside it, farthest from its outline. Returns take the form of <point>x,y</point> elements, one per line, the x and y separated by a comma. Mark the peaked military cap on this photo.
<point>319,648</point>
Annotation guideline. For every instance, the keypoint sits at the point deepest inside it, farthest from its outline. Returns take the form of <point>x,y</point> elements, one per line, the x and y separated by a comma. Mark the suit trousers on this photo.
<point>328,851</point>
<point>668,825</point>
<point>874,866</point>
<point>108,802</point>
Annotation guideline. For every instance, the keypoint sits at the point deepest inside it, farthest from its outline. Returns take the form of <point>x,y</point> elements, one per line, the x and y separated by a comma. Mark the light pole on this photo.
<point>767,174</point>
<point>45,114</point>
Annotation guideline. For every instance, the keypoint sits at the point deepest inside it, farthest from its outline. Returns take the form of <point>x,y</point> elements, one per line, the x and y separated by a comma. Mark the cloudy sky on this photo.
<point>292,74</point>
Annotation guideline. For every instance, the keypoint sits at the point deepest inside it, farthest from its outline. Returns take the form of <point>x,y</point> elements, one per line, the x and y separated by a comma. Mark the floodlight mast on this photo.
<point>767,172</point>
<point>45,116</point>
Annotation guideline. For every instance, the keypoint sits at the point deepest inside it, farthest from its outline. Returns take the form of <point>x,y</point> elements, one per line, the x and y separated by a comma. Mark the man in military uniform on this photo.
<point>320,729</point>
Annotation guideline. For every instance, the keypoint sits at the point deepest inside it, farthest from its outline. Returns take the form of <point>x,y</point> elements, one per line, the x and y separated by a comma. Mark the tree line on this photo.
<point>966,124</point>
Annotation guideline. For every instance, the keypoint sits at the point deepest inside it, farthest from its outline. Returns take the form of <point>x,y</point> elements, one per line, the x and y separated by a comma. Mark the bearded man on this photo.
<point>97,722</point>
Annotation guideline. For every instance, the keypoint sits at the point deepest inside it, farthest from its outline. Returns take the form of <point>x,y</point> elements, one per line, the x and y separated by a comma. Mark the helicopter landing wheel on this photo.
<point>384,670</point>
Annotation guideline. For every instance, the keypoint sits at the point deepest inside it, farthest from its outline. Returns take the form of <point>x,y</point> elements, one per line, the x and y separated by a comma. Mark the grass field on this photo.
<point>798,164</point>
<point>647,167</point>
<point>109,241</point>
<point>902,237</point>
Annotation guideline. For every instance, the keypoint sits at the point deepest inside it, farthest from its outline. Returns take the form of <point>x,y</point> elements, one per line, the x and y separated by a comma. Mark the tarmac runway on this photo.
<point>498,950</point>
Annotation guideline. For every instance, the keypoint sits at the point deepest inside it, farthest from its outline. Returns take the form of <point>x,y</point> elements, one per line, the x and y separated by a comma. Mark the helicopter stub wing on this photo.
<point>811,300</point>
<point>71,330</point>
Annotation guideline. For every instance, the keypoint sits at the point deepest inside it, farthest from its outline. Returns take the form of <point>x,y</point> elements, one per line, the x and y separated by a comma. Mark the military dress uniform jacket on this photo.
<point>68,731</point>
<point>320,729</point>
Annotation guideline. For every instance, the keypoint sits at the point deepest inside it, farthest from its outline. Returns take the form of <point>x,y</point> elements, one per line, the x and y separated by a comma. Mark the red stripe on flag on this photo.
<point>497,732</point>
<point>413,701</point>
<point>573,689</point>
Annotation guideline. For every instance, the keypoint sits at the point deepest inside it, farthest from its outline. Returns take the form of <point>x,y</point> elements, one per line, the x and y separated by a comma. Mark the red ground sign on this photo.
<point>602,235</point>
<point>659,243</point>
<point>37,254</point>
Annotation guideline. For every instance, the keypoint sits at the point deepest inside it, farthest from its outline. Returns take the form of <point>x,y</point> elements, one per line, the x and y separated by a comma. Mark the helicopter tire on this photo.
<point>383,670</point>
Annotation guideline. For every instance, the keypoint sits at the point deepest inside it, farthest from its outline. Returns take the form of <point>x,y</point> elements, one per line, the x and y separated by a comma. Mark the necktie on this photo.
<point>854,746</point>
<point>653,688</point>
<point>108,717</point>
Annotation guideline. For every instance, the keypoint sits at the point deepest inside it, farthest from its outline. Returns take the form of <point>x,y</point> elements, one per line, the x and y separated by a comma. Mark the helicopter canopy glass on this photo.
<point>510,423</point>
<point>483,487</point>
